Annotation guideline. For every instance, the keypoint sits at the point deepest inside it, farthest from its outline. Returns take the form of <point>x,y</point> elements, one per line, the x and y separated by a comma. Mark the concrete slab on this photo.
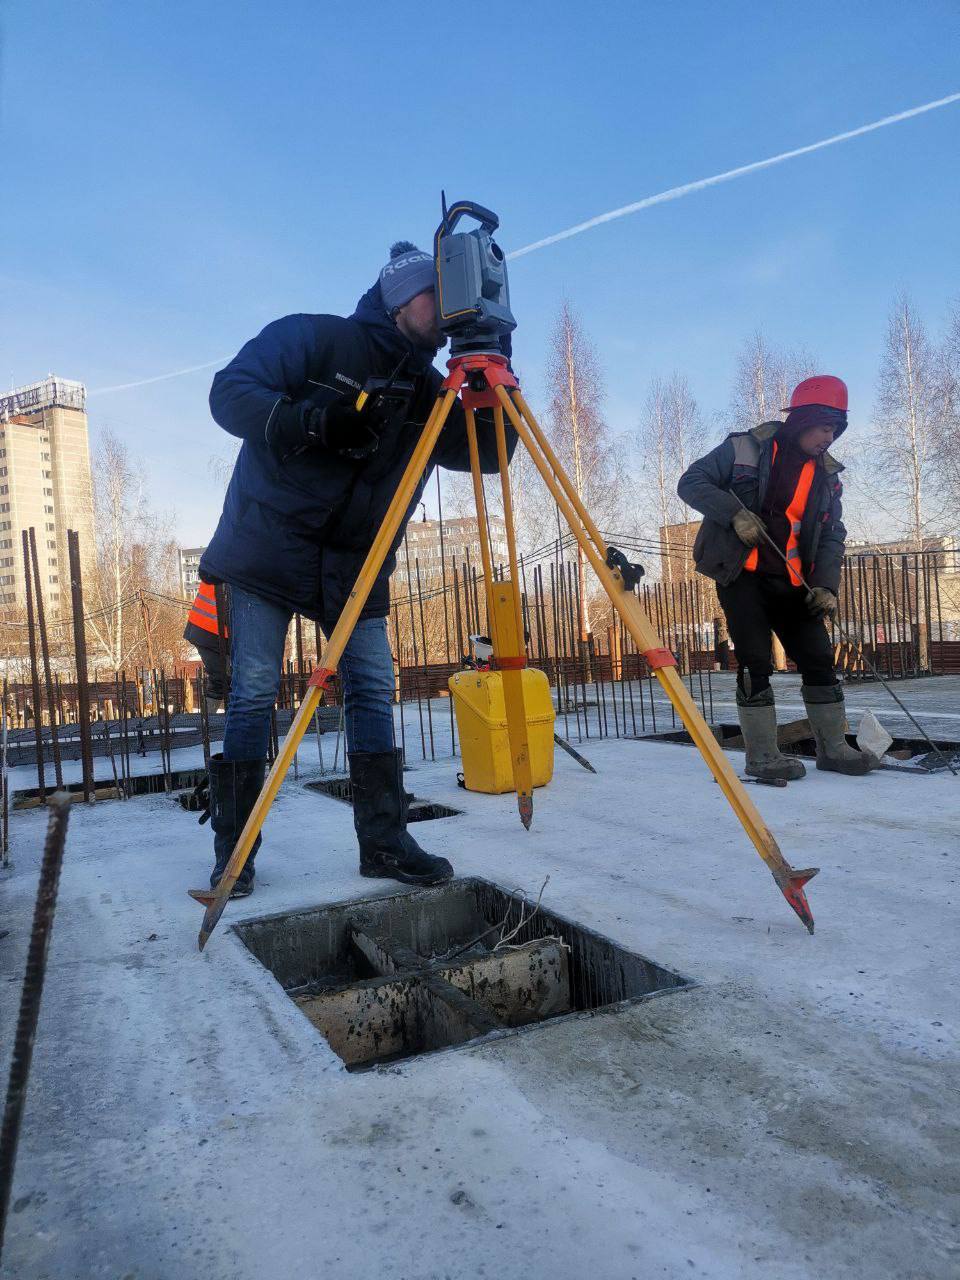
<point>794,1116</point>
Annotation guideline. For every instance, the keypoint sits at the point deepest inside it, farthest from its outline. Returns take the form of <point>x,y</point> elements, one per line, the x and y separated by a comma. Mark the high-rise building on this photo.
<point>44,483</point>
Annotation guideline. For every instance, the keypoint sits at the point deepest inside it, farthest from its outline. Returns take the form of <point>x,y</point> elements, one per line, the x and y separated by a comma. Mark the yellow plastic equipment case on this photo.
<point>482,725</point>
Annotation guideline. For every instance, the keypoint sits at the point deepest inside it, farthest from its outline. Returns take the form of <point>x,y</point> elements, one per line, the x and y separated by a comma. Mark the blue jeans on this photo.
<point>258,633</point>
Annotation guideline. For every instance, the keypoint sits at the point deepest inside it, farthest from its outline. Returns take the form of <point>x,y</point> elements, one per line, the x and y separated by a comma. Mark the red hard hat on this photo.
<point>823,389</point>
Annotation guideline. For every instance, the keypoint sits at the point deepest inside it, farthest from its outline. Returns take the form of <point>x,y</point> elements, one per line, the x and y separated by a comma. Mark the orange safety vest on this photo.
<point>794,513</point>
<point>203,613</point>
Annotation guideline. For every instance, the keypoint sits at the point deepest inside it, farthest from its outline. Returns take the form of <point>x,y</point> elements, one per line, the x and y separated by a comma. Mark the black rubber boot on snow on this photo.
<point>234,787</point>
<point>828,719</point>
<point>380,805</point>
<point>758,720</point>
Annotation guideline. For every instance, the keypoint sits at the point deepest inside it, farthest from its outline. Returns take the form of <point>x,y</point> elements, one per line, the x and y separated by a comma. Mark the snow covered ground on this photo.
<point>796,1115</point>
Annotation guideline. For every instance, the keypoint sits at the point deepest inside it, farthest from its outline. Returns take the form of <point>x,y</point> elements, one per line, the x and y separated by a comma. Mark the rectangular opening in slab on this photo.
<point>420,810</point>
<point>389,978</point>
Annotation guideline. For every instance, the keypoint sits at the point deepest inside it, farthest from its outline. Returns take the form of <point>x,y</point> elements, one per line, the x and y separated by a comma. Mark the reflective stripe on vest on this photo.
<point>203,613</point>
<point>794,514</point>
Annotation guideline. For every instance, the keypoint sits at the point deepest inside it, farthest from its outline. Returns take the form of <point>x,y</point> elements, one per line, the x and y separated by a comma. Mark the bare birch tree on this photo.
<point>948,417</point>
<point>764,379</point>
<point>579,433</point>
<point>670,437</point>
<point>135,559</point>
<point>909,436</point>
<point>909,425</point>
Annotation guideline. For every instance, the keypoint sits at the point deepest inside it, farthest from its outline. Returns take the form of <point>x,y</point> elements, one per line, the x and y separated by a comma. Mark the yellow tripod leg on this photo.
<point>216,899</point>
<point>513,641</point>
<point>789,881</point>
<point>504,616</point>
<point>506,607</point>
<point>480,502</point>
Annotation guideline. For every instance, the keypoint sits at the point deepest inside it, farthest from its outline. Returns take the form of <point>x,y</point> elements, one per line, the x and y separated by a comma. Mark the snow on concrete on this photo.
<point>796,1115</point>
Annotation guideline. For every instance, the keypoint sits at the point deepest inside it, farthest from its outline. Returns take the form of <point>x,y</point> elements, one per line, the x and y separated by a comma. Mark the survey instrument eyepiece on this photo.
<point>473,297</point>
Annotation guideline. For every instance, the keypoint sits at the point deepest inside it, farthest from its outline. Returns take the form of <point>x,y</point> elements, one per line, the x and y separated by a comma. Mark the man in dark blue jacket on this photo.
<point>309,491</point>
<point>778,483</point>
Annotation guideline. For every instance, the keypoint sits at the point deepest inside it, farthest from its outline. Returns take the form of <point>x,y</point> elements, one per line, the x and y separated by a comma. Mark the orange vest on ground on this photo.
<point>794,513</point>
<point>203,612</point>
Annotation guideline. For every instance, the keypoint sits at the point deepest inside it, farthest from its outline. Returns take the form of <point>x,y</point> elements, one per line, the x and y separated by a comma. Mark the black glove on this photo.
<point>821,602</point>
<point>287,429</point>
<point>353,433</point>
<point>338,427</point>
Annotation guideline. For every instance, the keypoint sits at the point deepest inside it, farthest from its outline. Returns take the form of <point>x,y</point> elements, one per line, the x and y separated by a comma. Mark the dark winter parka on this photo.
<point>741,466</point>
<point>296,532</point>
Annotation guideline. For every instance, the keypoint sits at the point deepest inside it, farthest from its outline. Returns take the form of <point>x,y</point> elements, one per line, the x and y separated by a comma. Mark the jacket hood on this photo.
<point>372,315</point>
<point>767,430</point>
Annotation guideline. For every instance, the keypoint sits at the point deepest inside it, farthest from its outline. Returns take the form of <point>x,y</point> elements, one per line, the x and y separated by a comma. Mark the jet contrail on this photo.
<point>676,193</point>
<point>160,377</point>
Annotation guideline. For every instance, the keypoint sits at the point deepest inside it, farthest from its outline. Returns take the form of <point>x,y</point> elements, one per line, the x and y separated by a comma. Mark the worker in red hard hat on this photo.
<point>780,480</point>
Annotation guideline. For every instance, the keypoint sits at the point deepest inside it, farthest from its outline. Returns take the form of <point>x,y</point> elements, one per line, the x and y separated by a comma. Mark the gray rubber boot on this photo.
<point>758,720</point>
<point>827,714</point>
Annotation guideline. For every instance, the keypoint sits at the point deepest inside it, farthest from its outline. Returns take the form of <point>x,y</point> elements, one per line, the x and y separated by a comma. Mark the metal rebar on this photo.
<point>113,763</point>
<point>426,665</point>
<point>413,641</point>
<point>559,674</point>
<point>710,691</point>
<point>34,670</point>
<point>126,724</point>
<point>80,648</point>
<point>31,995</point>
<point>45,652</point>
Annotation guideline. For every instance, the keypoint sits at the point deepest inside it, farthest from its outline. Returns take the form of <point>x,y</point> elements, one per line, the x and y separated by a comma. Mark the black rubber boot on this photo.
<point>828,719</point>
<point>234,787</point>
<point>380,805</point>
<point>758,720</point>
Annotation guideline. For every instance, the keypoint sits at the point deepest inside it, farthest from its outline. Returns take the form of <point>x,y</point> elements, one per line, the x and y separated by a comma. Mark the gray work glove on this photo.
<point>748,527</point>
<point>821,602</point>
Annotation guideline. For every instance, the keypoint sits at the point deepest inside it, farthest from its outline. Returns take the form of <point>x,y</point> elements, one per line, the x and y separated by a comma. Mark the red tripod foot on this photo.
<point>791,886</point>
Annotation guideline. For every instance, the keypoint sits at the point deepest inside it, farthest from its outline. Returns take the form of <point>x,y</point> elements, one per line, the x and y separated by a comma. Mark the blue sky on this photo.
<point>176,175</point>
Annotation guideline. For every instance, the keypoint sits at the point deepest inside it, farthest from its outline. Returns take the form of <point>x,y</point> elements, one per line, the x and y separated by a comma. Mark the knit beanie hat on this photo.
<point>409,272</point>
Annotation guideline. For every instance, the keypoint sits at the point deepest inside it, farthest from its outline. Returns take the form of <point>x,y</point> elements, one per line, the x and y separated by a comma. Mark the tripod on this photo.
<point>484,380</point>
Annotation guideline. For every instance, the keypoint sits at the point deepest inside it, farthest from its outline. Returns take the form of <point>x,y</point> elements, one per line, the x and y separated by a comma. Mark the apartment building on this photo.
<point>460,540</point>
<point>45,483</point>
<point>189,564</point>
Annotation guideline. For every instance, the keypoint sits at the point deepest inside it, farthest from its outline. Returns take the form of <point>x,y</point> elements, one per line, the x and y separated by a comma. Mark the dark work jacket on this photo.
<point>296,532</point>
<point>741,466</point>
